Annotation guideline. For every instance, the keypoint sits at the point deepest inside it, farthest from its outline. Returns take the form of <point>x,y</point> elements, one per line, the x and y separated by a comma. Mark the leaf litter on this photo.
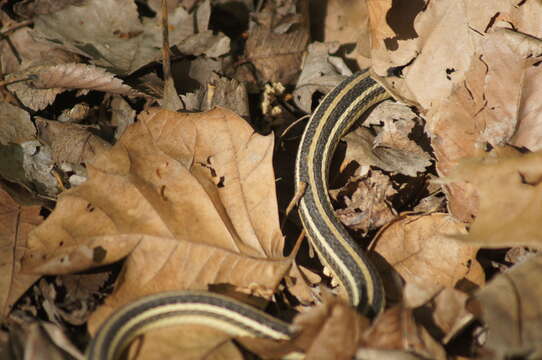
<point>109,197</point>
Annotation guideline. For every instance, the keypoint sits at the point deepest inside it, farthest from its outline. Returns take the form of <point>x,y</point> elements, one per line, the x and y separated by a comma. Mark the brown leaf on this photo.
<point>24,49</point>
<point>396,329</point>
<point>508,185</point>
<point>123,44</point>
<point>16,125</point>
<point>484,110</point>
<point>391,149</point>
<point>43,341</point>
<point>276,44</point>
<point>189,198</point>
<point>16,222</point>
<point>47,81</point>
<point>70,142</point>
<point>510,306</point>
<point>450,314</point>
<point>192,341</point>
<point>419,250</point>
<point>321,72</point>
<point>330,330</point>
<point>368,207</point>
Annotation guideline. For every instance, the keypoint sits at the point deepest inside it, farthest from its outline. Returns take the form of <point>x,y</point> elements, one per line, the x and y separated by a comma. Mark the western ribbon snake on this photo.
<point>335,114</point>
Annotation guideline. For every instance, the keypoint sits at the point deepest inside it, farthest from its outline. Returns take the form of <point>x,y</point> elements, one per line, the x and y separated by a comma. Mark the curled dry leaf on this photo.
<point>16,222</point>
<point>510,306</point>
<point>189,199</point>
<point>50,80</point>
<point>419,250</point>
<point>510,192</point>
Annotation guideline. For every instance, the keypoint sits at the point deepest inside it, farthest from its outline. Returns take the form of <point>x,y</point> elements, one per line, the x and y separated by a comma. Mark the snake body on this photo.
<point>335,114</point>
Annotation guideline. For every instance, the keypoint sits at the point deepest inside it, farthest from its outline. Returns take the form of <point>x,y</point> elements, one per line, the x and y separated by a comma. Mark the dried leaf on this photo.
<point>23,50</point>
<point>510,306</point>
<point>276,53</point>
<point>392,148</point>
<point>330,330</point>
<point>123,44</point>
<point>396,329</point>
<point>419,250</point>
<point>321,72</point>
<point>508,185</point>
<point>192,341</point>
<point>484,110</point>
<point>368,207</point>
<point>189,198</point>
<point>70,142</point>
<point>51,80</point>
<point>16,222</point>
<point>16,125</point>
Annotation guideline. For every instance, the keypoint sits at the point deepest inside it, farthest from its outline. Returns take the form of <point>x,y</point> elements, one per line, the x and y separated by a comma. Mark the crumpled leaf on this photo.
<point>219,91</point>
<point>124,44</point>
<point>369,206</point>
<point>16,222</point>
<point>510,193</point>
<point>510,306</point>
<point>189,199</point>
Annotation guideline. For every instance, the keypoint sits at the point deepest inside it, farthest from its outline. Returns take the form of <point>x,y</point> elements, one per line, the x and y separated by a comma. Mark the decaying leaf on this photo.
<point>124,44</point>
<point>483,109</point>
<point>368,207</point>
<point>70,142</point>
<point>276,44</point>
<point>510,306</point>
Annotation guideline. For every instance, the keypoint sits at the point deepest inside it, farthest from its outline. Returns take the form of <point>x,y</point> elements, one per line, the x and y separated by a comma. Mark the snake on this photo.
<point>349,265</point>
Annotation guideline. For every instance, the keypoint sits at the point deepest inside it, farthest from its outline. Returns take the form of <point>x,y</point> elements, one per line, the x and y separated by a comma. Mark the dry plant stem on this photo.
<point>15,27</point>
<point>16,80</point>
<point>295,200</point>
<point>166,66</point>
